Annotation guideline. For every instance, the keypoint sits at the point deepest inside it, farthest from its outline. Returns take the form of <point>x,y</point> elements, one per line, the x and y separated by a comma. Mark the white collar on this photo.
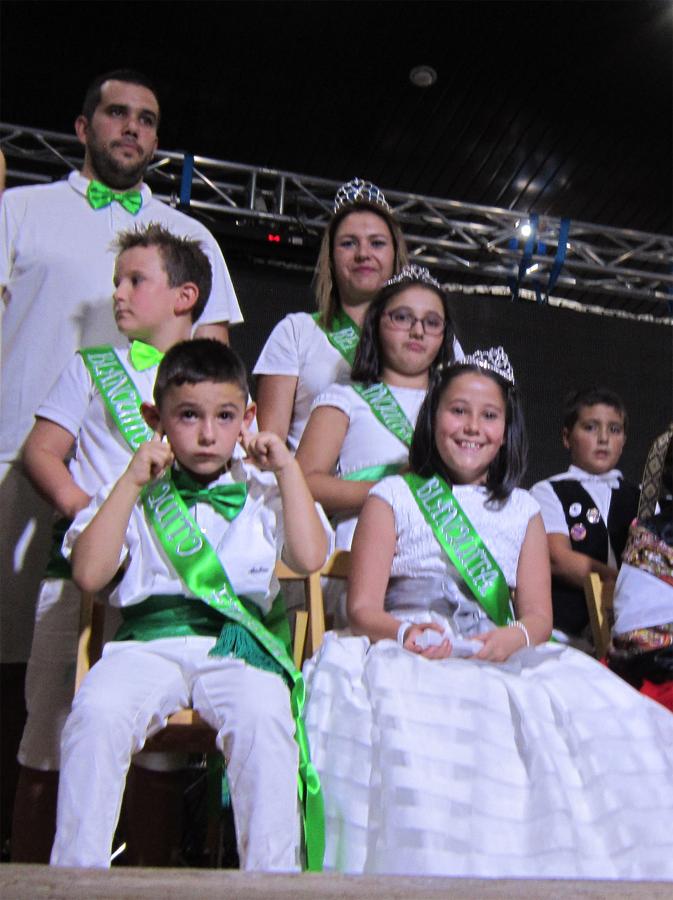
<point>611,478</point>
<point>80,183</point>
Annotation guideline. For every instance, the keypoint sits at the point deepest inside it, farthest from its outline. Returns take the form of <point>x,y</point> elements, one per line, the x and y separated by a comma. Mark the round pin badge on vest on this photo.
<point>578,532</point>
<point>575,509</point>
<point>593,515</point>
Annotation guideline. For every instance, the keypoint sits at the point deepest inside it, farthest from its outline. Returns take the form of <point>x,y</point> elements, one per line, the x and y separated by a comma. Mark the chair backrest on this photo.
<point>599,596</point>
<point>309,627</point>
<point>90,639</point>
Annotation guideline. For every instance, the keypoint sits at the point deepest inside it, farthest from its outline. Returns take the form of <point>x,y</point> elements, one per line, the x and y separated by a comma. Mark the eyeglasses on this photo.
<point>403,319</point>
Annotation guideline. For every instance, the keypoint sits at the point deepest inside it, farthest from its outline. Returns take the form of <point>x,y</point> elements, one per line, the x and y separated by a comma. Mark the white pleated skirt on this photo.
<point>545,766</point>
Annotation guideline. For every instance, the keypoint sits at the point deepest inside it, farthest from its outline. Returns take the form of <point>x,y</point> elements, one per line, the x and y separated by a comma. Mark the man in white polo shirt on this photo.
<point>56,267</point>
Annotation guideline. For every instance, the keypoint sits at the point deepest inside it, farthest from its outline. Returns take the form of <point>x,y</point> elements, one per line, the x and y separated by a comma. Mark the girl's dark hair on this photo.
<point>506,470</point>
<point>368,362</point>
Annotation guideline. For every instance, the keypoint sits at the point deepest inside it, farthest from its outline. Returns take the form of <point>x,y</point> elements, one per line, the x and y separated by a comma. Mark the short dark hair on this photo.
<point>92,96</point>
<point>202,359</point>
<point>508,467</point>
<point>183,259</point>
<point>368,365</point>
<point>590,395</point>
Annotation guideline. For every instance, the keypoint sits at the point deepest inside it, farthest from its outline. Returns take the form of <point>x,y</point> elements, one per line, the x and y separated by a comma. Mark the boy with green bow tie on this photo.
<point>198,533</point>
<point>162,283</point>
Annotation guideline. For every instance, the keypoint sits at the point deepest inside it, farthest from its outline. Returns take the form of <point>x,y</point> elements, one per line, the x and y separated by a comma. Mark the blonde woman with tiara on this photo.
<point>362,248</point>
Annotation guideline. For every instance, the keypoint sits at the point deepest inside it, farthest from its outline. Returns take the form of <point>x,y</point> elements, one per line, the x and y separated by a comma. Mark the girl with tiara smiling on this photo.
<point>360,431</point>
<point>450,737</point>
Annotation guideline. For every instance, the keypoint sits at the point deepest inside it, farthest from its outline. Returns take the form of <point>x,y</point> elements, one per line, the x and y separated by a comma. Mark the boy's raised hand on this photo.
<point>150,460</point>
<point>265,450</point>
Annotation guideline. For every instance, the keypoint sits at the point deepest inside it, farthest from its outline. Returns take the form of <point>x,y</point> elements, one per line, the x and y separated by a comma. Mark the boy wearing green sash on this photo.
<point>198,532</point>
<point>85,433</point>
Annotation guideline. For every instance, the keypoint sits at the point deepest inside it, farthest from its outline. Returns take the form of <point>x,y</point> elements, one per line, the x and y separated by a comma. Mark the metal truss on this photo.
<point>631,271</point>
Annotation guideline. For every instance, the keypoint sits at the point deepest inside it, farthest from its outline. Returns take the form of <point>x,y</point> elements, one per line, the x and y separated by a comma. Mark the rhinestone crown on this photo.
<point>359,191</point>
<point>413,273</point>
<point>494,359</point>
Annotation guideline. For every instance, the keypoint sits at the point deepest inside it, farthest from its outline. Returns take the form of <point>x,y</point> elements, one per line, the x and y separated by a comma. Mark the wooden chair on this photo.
<point>599,595</point>
<point>185,730</point>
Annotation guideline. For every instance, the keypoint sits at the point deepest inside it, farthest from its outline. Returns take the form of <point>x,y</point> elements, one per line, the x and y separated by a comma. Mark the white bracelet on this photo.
<point>519,624</point>
<point>401,632</point>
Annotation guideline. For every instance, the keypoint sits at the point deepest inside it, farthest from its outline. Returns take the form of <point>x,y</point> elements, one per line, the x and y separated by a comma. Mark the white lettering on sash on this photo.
<point>177,529</point>
<point>449,521</point>
<point>347,337</point>
<point>381,401</point>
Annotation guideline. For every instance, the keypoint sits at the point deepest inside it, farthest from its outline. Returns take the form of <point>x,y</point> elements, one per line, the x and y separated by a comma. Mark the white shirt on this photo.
<point>248,547</point>
<point>367,442</point>
<point>56,266</point>
<point>297,346</point>
<point>75,403</point>
<point>599,489</point>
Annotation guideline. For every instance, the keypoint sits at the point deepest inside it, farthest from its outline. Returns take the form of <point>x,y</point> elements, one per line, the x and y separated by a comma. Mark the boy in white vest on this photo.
<point>198,533</point>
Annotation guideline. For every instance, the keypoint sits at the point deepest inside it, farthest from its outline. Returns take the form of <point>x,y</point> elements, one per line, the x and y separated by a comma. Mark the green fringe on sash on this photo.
<point>236,641</point>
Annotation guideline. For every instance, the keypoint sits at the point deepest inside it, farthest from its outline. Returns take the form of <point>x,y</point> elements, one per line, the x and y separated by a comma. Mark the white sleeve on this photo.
<point>550,506</point>
<point>337,395</point>
<point>222,305</point>
<point>458,353</point>
<point>387,489</point>
<point>280,354</point>
<point>68,401</point>
<point>82,519</point>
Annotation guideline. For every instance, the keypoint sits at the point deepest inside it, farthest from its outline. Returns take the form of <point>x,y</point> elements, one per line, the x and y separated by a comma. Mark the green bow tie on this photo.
<point>226,499</point>
<point>99,195</point>
<point>144,356</point>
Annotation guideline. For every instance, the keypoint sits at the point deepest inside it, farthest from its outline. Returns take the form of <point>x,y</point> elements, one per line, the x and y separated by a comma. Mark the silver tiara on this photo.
<point>494,359</point>
<point>359,191</point>
<point>414,273</point>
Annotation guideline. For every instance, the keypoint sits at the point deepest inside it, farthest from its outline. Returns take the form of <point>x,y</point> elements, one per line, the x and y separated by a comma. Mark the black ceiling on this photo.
<point>562,108</point>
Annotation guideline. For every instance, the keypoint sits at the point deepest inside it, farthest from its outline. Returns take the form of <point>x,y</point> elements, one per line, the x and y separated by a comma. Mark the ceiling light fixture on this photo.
<point>423,76</point>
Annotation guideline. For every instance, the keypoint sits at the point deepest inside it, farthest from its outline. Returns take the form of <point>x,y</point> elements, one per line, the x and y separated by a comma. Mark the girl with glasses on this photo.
<point>360,431</point>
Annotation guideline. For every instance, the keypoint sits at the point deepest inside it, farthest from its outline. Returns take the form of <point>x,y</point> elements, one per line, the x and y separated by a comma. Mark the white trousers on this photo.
<point>127,698</point>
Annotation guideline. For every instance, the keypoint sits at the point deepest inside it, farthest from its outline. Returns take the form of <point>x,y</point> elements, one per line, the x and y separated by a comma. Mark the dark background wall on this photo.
<point>552,350</point>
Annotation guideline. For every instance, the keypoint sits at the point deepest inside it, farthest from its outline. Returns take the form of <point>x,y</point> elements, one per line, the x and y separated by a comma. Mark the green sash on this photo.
<point>120,395</point>
<point>461,543</point>
<point>202,572</point>
<point>198,566</point>
<point>373,473</point>
<point>381,400</point>
<point>344,333</point>
<point>122,400</point>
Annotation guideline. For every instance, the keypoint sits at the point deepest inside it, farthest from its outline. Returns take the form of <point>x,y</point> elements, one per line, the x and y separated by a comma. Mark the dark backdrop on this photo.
<point>552,350</point>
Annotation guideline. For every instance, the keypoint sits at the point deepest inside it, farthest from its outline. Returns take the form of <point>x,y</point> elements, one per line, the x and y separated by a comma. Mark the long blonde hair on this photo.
<point>326,291</point>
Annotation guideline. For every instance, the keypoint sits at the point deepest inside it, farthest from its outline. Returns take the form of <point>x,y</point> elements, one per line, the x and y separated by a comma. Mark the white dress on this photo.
<point>367,441</point>
<point>544,766</point>
<point>298,346</point>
